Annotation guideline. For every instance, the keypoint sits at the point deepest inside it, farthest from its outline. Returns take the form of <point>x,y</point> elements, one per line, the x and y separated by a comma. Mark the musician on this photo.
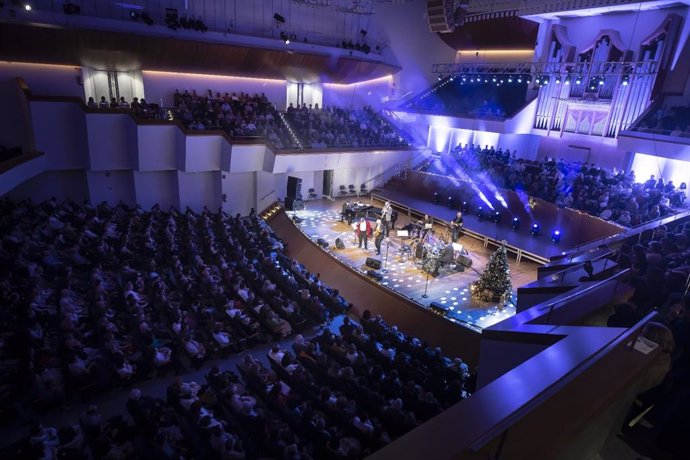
<point>456,226</point>
<point>363,232</point>
<point>346,213</point>
<point>378,236</point>
<point>424,223</point>
<point>387,216</point>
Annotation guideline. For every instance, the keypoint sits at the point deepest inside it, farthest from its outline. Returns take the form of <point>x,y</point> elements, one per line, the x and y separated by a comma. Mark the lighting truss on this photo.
<point>639,68</point>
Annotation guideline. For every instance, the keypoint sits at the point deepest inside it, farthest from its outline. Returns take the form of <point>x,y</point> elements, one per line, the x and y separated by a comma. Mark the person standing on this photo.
<point>456,226</point>
<point>387,216</point>
<point>363,232</point>
<point>378,236</point>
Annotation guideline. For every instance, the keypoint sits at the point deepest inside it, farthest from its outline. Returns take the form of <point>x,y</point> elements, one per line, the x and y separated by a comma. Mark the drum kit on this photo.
<point>432,253</point>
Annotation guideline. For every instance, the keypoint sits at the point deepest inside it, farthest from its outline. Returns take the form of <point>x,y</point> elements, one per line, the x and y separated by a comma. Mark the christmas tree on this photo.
<point>494,284</point>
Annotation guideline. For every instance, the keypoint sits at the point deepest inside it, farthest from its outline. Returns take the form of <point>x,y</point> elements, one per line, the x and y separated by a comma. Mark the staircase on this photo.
<point>291,131</point>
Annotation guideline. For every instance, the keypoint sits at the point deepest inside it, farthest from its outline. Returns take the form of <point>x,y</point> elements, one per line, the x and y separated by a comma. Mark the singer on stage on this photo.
<point>456,226</point>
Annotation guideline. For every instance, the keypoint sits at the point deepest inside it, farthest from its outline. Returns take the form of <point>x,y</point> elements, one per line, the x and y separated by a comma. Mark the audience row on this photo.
<point>611,195</point>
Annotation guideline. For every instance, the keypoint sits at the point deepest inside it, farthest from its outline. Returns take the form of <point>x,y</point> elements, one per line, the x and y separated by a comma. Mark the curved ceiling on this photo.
<point>499,33</point>
<point>125,51</point>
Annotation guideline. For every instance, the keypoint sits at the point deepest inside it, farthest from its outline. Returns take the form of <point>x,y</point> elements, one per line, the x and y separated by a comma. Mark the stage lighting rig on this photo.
<point>556,236</point>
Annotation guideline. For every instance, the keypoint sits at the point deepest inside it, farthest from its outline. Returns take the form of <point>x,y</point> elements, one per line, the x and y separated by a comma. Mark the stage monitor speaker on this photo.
<point>323,243</point>
<point>438,308</point>
<point>373,263</point>
<point>464,261</point>
<point>339,244</point>
<point>294,187</point>
<point>293,204</point>
<point>375,274</point>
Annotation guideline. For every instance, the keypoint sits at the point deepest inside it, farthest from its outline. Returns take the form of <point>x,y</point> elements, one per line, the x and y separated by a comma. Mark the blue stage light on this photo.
<point>437,198</point>
<point>480,212</point>
<point>497,217</point>
<point>516,223</point>
<point>535,230</point>
<point>556,236</point>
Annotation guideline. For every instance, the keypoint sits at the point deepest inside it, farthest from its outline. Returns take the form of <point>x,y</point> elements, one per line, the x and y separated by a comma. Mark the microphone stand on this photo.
<point>426,286</point>
<point>385,260</point>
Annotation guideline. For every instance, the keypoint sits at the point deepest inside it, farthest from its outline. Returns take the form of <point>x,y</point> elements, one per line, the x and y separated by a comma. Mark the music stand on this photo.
<point>404,248</point>
<point>385,259</point>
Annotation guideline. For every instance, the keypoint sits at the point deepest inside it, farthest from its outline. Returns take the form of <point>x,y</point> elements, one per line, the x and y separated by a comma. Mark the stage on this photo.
<point>405,275</point>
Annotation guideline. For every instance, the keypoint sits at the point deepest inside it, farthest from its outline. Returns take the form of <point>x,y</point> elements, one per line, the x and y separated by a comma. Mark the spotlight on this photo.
<point>437,198</point>
<point>510,79</point>
<point>601,81</point>
<point>27,6</point>
<point>558,79</point>
<point>535,230</point>
<point>497,217</point>
<point>578,80</point>
<point>556,236</point>
<point>451,202</point>
<point>567,80</point>
<point>516,223</point>
<point>285,38</point>
<point>465,207</point>
<point>519,80</point>
<point>626,80</point>
<point>480,212</point>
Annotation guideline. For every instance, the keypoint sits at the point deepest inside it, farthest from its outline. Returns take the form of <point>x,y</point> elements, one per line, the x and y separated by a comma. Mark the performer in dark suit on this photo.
<point>363,232</point>
<point>345,213</point>
<point>456,226</point>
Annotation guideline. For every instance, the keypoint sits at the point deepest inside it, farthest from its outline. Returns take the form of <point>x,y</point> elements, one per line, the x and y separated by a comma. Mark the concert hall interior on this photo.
<point>306,229</point>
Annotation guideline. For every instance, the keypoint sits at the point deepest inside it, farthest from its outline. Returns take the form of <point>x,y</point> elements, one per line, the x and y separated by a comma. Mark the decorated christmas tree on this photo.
<point>494,284</point>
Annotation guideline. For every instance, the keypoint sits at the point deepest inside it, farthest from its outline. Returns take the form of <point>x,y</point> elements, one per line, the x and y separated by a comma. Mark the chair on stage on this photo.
<point>351,190</point>
<point>312,194</point>
<point>343,190</point>
<point>363,190</point>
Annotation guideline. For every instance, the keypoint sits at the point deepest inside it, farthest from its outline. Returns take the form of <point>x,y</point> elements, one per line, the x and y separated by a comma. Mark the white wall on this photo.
<point>161,86</point>
<point>60,132</point>
<point>159,187</point>
<point>199,189</point>
<point>239,192</point>
<point>112,141</point>
<point>157,147</point>
<point>63,185</point>
<point>204,152</point>
<point>375,93</point>
<point>45,79</point>
<point>414,46</point>
<point>111,186</point>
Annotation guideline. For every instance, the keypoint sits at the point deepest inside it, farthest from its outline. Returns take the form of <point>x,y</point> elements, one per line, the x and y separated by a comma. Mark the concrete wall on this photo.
<point>161,86</point>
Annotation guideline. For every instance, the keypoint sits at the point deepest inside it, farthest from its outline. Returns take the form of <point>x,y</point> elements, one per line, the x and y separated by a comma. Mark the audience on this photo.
<point>611,195</point>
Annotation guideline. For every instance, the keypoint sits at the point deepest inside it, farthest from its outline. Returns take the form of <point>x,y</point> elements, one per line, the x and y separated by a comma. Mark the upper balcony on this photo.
<point>212,37</point>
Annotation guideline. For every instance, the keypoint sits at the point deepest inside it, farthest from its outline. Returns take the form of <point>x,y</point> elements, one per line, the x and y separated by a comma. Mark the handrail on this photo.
<point>569,296</point>
<point>511,419</point>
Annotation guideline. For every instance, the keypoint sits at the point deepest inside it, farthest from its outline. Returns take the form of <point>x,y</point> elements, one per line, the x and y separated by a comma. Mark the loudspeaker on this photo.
<point>438,308</point>
<point>373,263</point>
<point>339,244</point>
<point>440,15</point>
<point>464,261</point>
<point>323,243</point>
<point>375,274</point>
<point>293,204</point>
<point>294,187</point>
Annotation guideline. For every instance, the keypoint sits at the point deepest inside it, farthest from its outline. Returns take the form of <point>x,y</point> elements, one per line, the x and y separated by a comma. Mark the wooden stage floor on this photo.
<point>321,219</point>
